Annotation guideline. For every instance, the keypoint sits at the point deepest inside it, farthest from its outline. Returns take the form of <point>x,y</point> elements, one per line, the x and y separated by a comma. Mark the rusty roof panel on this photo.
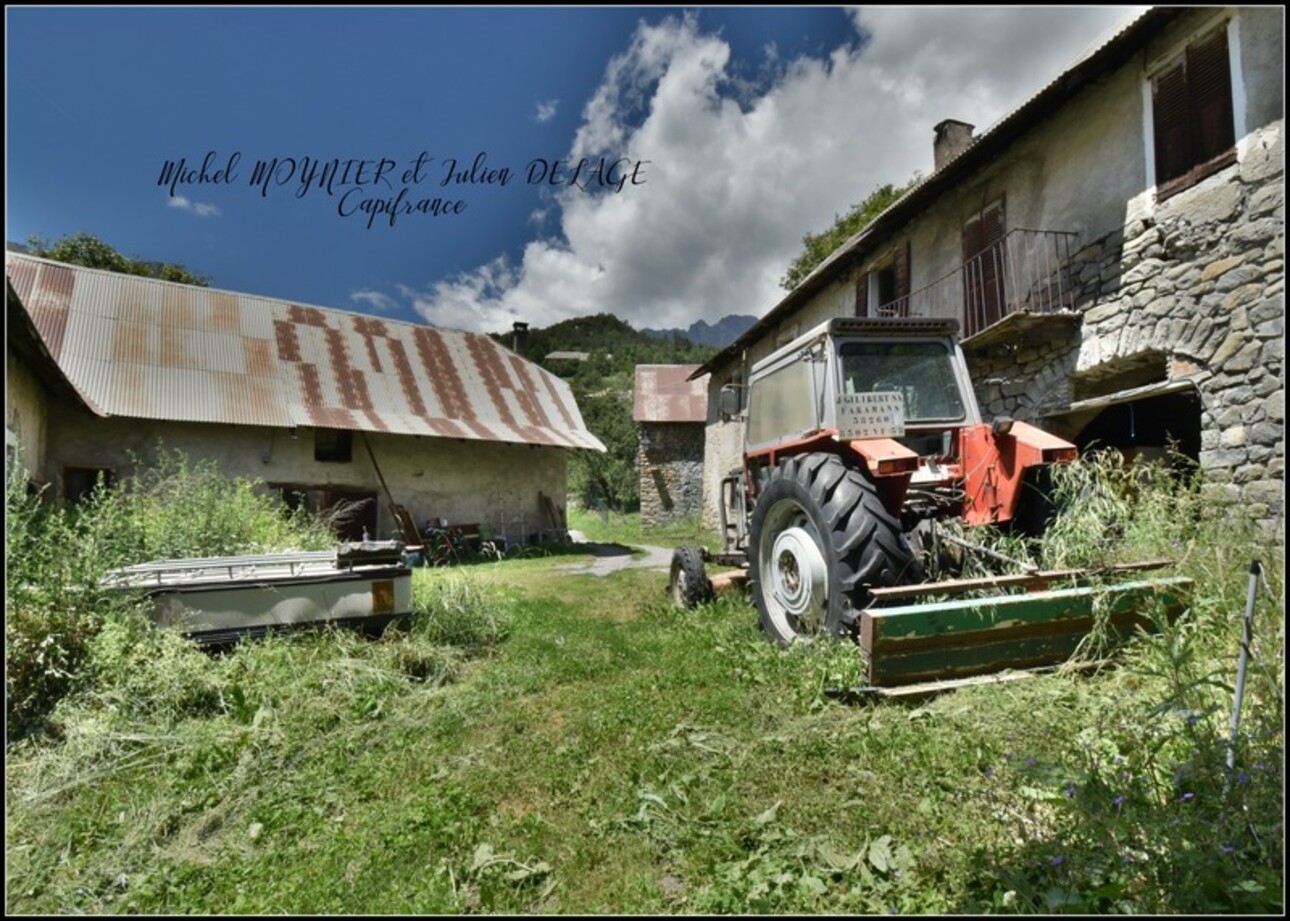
<point>665,394</point>
<point>49,305</point>
<point>22,278</point>
<point>145,348</point>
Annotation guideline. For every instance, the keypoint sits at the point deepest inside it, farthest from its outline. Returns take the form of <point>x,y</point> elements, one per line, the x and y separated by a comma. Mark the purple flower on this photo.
<point>1070,789</point>
<point>988,772</point>
<point>1187,796</point>
<point>1242,777</point>
<point>1118,801</point>
<point>1225,849</point>
<point>1055,860</point>
<point>1031,762</point>
<point>1128,858</point>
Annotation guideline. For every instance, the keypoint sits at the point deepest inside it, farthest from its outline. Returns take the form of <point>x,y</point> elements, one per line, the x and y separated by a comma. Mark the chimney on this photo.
<point>520,342</point>
<point>952,138</point>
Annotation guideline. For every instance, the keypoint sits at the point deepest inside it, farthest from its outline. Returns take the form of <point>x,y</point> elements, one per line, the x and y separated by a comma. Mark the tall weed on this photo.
<point>1114,511</point>
<point>56,556</point>
<point>1148,815</point>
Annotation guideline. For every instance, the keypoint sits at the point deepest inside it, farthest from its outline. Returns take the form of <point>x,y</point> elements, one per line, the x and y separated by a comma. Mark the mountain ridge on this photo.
<point>719,334</point>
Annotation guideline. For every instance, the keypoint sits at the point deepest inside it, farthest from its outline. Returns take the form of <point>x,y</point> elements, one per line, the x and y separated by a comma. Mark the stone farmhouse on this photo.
<point>1113,250</point>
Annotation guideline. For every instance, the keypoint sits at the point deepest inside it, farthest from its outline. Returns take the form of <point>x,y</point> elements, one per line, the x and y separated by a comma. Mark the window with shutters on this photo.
<point>983,269</point>
<point>1191,108</point>
<point>883,291</point>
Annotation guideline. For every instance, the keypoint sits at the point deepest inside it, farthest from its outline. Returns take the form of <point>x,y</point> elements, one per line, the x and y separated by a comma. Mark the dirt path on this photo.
<point>613,557</point>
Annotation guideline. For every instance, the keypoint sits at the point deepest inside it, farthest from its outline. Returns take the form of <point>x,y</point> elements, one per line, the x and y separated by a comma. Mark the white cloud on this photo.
<point>381,303</point>
<point>731,187</point>
<point>546,110</point>
<point>197,208</point>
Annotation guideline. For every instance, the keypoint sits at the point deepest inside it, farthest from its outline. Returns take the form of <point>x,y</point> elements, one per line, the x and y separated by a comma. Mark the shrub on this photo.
<point>56,557</point>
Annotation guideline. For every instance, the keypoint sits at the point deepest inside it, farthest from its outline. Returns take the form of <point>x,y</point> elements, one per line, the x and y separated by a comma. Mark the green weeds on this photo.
<point>542,742</point>
<point>56,555</point>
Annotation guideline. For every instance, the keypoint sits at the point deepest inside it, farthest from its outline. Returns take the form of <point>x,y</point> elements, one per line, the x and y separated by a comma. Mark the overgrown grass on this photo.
<point>539,742</point>
<point>55,557</point>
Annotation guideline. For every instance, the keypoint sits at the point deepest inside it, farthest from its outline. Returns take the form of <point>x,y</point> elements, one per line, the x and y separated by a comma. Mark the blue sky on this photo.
<point>712,139</point>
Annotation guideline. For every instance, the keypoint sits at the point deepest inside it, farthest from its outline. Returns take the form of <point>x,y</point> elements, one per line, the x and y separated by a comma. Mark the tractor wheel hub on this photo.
<point>799,576</point>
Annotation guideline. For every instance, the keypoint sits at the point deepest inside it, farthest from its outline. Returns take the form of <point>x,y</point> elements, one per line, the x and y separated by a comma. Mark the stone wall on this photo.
<point>671,472</point>
<point>1196,284</point>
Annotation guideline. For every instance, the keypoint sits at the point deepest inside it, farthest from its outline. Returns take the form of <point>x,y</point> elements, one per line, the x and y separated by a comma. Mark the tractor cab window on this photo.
<point>920,371</point>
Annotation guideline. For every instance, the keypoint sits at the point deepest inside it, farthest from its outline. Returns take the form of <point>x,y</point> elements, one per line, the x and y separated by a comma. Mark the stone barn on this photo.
<point>321,405</point>
<point>670,411</point>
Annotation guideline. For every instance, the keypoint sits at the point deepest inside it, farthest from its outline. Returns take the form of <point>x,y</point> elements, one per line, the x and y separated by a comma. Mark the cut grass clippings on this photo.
<point>547,742</point>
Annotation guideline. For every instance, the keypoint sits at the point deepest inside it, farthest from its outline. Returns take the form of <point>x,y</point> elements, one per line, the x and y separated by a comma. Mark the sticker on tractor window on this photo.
<point>880,414</point>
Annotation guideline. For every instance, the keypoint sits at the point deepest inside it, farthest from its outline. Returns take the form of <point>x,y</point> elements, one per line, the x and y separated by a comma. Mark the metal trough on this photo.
<point>216,600</point>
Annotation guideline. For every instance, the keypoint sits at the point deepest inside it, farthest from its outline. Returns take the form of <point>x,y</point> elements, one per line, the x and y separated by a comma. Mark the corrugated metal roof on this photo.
<point>664,393</point>
<point>23,339</point>
<point>151,349</point>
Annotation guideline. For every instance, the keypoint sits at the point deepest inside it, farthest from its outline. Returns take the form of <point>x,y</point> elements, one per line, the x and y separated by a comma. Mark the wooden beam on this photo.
<point>1030,581</point>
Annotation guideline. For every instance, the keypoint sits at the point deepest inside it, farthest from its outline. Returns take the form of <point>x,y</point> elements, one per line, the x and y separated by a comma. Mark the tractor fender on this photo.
<point>996,463</point>
<point>885,456</point>
<point>890,465</point>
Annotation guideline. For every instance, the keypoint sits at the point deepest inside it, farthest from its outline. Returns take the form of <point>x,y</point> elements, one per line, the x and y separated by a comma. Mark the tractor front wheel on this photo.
<point>689,585</point>
<point>820,539</point>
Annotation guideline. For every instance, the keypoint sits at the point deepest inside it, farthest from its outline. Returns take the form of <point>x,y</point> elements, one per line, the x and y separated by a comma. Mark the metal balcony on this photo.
<point>1028,271</point>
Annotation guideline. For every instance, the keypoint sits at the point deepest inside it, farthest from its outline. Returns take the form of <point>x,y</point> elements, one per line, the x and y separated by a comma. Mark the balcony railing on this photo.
<point>1027,270</point>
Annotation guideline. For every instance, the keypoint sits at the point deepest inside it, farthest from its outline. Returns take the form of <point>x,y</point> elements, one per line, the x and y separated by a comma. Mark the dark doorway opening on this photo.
<point>1165,427</point>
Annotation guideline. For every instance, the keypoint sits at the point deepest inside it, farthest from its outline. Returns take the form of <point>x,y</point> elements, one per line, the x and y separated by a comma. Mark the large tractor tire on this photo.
<point>820,538</point>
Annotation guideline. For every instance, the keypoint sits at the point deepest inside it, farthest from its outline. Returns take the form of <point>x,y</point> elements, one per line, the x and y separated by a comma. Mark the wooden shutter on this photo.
<point>1191,107</point>
<point>1209,81</point>
<point>1170,112</point>
<point>902,278</point>
<point>862,295</point>
<point>983,265</point>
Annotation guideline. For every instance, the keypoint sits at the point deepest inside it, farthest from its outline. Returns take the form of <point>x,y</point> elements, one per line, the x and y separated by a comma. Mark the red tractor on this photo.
<point>859,437</point>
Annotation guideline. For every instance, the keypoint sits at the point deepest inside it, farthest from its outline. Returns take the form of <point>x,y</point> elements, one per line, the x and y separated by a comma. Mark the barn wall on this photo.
<point>24,413</point>
<point>488,483</point>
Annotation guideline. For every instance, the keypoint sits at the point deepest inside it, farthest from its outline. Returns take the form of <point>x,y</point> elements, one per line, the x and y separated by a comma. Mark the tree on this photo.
<point>602,386</point>
<point>818,246</point>
<point>88,250</point>
<point>609,477</point>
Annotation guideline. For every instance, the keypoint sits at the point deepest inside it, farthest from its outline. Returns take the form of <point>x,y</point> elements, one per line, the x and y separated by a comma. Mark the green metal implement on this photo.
<point>936,641</point>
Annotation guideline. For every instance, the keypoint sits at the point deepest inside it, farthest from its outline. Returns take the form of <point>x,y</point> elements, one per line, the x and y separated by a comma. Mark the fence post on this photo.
<point>1242,664</point>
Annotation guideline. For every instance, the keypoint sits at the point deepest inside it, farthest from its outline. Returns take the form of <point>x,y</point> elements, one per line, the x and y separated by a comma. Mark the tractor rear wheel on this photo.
<point>820,538</point>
